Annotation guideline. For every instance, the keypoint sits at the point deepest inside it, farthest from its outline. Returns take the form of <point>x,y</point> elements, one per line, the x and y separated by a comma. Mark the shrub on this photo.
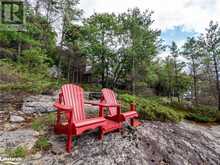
<point>199,113</point>
<point>17,152</point>
<point>17,77</point>
<point>33,58</point>
<point>154,111</point>
<point>44,121</point>
<point>51,118</point>
<point>218,117</point>
<point>42,144</point>
<point>151,109</point>
<point>155,108</point>
<point>92,87</point>
<point>127,98</point>
<point>198,117</point>
<point>38,125</point>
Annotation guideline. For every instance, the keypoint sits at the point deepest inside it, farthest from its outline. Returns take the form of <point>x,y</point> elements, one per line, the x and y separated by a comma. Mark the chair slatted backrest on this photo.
<point>109,98</point>
<point>73,97</point>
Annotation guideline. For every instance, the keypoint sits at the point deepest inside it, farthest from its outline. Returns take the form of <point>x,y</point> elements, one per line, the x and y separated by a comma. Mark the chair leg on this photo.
<point>57,124</point>
<point>69,143</point>
<point>58,118</point>
<point>118,130</point>
<point>56,129</point>
<point>132,122</point>
<point>101,132</point>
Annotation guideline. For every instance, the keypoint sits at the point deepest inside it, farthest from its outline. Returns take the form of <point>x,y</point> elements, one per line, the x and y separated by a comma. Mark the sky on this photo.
<point>177,19</point>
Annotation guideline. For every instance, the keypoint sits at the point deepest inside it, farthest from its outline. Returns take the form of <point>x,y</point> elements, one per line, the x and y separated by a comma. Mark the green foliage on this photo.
<point>28,54</point>
<point>199,113</point>
<point>203,113</point>
<point>34,58</point>
<point>152,109</point>
<point>38,125</point>
<point>112,42</point>
<point>17,76</point>
<point>192,52</point>
<point>37,33</point>
<point>12,37</point>
<point>50,119</point>
<point>98,37</point>
<point>199,118</point>
<point>92,87</point>
<point>17,152</point>
<point>218,117</point>
<point>156,108</point>
<point>43,122</point>
<point>178,82</point>
<point>42,144</point>
<point>40,33</point>
<point>210,47</point>
<point>161,113</point>
<point>127,98</point>
<point>171,80</point>
<point>120,49</point>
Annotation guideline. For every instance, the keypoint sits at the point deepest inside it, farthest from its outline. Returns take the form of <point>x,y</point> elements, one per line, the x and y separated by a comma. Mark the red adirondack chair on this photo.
<point>71,103</point>
<point>109,98</point>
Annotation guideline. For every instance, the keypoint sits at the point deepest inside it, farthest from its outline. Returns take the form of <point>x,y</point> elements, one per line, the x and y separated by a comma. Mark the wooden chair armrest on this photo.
<point>61,107</point>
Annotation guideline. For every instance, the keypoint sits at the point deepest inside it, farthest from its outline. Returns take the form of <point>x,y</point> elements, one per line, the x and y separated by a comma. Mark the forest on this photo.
<point>118,51</point>
<point>82,85</point>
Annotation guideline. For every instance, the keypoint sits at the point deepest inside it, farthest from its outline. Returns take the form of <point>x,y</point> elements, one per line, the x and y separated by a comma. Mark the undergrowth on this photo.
<point>151,109</point>
<point>17,152</point>
<point>43,122</point>
<point>155,108</point>
<point>199,113</point>
<point>19,77</point>
<point>42,144</point>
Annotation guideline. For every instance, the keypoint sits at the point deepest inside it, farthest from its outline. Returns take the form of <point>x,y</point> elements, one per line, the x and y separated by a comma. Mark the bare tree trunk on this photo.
<point>68,70</point>
<point>48,11</point>
<point>19,48</point>
<point>80,75</point>
<point>217,81</point>
<point>169,81</point>
<point>170,92</point>
<point>77,74</point>
<point>61,43</point>
<point>117,76</point>
<point>118,72</point>
<point>103,71</point>
<point>195,88</point>
<point>209,72</point>
<point>176,79</point>
<point>194,82</point>
<point>107,75</point>
<point>37,7</point>
<point>73,79</point>
<point>103,62</point>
